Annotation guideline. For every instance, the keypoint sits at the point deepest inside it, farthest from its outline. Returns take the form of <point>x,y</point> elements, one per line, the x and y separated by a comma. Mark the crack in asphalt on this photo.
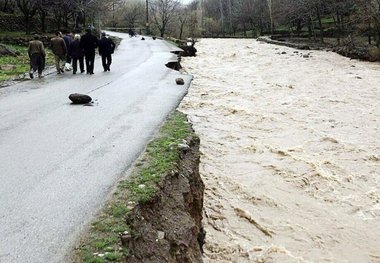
<point>100,87</point>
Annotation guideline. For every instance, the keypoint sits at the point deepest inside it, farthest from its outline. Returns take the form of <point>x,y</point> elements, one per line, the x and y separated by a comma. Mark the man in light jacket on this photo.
<point>59,49</point>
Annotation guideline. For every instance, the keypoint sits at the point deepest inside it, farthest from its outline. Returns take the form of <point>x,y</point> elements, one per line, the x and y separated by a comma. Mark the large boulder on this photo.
<point>77,98</point>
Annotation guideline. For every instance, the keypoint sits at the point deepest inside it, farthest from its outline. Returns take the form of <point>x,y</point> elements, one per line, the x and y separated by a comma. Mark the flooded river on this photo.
<point>290,146</point>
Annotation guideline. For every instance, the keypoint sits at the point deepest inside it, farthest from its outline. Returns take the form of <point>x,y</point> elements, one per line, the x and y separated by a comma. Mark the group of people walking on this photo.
<point>72,50</point>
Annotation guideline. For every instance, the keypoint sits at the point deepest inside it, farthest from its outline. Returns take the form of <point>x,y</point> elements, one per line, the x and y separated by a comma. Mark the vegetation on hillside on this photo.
<point>316,19</point>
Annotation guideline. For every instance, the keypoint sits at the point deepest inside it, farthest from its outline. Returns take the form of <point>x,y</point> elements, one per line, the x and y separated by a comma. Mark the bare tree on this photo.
<point>28,8</point>
<point>133,13</point>
<point>163,11</point>
<point>7,6</point>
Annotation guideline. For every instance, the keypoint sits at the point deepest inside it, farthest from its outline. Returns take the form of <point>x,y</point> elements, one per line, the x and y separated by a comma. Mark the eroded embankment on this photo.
<point>168,227</point>
<point>155,215</point>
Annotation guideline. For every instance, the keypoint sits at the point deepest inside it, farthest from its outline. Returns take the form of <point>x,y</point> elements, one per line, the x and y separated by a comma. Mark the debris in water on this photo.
<point>244,214</point>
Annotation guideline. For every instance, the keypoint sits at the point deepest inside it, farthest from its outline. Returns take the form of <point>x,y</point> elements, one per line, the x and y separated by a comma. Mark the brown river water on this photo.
<point>290,152</point>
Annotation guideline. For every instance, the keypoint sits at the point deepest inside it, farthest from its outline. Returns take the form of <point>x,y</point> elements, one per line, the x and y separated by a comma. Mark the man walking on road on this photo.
<point>68,38</point>
<point>106,49</point>
<point>59,49</point>
<point>89,43</point>
<point>76,53</point>
<point>36,52</point>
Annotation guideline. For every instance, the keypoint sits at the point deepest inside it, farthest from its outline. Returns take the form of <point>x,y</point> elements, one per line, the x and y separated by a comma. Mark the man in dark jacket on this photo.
<point>106,49</point>
<point>89,43</point>
<point>68,38</point>
<point>76,53</point>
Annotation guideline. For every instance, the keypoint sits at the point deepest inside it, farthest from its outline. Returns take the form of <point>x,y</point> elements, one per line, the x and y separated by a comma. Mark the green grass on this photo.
<point>21,62</point>
<point>160,158</point>
<point>12,34</point>
<point>173,41</point>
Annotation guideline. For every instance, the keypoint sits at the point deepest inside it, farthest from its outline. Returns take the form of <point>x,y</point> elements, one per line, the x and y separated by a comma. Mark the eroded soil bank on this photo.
<point>155,213</point>
<point>168,227</point>
<point>289,152</point>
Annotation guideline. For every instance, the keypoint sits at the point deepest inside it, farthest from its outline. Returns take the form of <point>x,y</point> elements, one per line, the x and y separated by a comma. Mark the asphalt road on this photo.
<point>59,161</point>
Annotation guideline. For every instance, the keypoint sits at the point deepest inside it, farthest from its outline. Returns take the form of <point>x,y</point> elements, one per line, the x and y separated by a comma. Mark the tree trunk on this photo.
<point>27,24</point>
<point>338,24</point>
<point>43,21</point>
<point>66,21</point>
<point>309,28</point>
<point>230,17</point>
<point>269,2</point>
<point>369,33</point>
<point>320,22</point>
<point>162,31</point>
<point>261,25</point>
<point>4,9</point>
<point>312,28</point>
<point>181,29</point>
<point>221,16</point>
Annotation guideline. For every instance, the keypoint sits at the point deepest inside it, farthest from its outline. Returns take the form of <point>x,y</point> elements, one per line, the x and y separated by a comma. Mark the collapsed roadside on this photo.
<point>154,215</point>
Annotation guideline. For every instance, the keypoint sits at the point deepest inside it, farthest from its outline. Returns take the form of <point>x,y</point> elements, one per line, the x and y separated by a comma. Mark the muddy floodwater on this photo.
<point>290,146</point>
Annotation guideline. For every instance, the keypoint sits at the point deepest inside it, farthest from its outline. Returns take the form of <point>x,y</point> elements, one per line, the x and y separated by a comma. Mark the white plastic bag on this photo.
<point>68,66</point>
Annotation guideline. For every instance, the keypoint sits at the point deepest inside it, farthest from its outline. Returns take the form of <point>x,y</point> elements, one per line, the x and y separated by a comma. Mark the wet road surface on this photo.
<point>59,161</point>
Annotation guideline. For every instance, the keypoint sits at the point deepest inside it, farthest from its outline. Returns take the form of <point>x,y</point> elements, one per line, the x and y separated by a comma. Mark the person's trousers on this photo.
<point>60,61</point>
<point>106,61</point>
<point>37,62</point>
<point>90,57</point>
<point>75,64</point>
<point>68,59</point>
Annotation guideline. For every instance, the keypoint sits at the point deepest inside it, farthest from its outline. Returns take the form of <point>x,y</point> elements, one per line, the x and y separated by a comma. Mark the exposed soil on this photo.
<point>168,228</point>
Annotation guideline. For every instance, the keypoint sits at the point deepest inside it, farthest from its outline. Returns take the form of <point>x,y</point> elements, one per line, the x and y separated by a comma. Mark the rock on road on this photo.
<point>59,161</point>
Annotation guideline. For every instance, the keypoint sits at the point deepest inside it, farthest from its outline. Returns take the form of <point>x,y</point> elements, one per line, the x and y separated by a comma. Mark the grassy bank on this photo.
<point>20,62</point>
<point>102,242</point>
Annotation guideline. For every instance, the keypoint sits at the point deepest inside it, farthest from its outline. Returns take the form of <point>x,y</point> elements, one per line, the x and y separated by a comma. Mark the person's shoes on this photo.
<point>105,69</point>
<point>82,71</point>
<point>31,75</point>
<point>62,70</point>
<point>91,73</point>
<point>74,73</point>
<point>40,76</point>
